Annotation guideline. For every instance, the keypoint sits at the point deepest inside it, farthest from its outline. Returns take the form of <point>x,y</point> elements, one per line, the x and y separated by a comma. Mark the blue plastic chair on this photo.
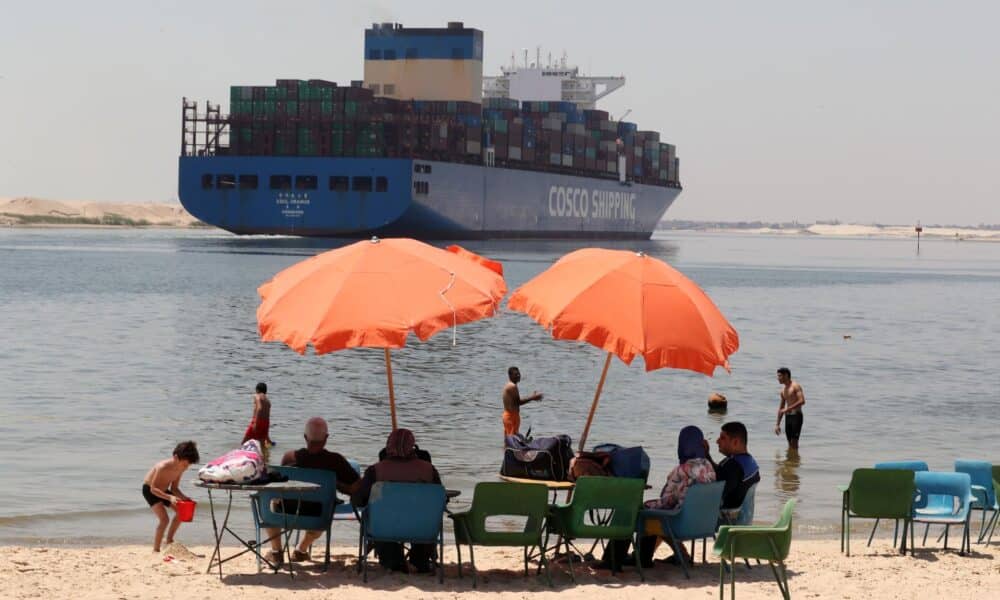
<point>906,465</point>
<point>957,489</point>
<point>265,516</point>
<point>981,473</point>
<point>344,511</point>
<point>696,519</point>
<point>404,513</point>
<point>741,517</point>
<point>744,514</point>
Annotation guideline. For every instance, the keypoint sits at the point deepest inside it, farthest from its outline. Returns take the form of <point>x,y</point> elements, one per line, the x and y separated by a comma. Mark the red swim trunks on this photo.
<point>257,430</point>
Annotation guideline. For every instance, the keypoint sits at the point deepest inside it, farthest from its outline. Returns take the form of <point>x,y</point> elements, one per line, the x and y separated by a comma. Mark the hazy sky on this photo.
<point>861,111</point>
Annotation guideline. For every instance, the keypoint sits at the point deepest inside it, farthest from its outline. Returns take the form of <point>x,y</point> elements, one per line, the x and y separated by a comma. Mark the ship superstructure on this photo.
<point>552,81</point>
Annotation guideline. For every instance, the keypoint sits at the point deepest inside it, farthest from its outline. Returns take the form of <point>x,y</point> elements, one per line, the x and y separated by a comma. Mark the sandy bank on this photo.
<point>817,569</point>
<point>872,231</point>
<point>38,211</point>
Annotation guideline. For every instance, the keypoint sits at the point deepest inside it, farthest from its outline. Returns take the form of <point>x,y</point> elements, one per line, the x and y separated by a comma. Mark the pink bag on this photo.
<point>237,466</point>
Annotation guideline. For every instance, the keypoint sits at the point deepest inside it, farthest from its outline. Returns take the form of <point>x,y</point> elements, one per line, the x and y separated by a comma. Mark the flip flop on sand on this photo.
<point>299,556</point>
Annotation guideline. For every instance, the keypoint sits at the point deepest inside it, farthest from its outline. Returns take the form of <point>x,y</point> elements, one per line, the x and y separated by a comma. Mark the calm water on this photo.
<point>115,345</point>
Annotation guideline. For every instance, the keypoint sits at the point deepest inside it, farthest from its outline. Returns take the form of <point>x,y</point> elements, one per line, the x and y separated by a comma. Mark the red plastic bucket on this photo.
<point>185,510</point>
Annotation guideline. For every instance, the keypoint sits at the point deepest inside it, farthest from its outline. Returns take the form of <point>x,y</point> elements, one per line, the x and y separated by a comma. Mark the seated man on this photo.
<point>400,464</point>
<point>313,456</point>
<point>738,469</point>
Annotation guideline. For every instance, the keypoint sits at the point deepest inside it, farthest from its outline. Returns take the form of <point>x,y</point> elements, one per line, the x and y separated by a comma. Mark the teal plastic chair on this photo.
<point>741,516</point>
<point>404,513</point>
<point>957,488</point>
<point>878,494</point>
<point>981,474</point>
<point>497,499</point>
<point>344,511</point>
<point>696,519</point>
<point>744,514</point>
<point>263,505</point>
<point>996,491</point>
<point>620,496</point>
<point>763,543</point>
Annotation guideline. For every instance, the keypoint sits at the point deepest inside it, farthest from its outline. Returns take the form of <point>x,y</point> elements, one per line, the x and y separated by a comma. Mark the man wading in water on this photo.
<point>512,403</point>
<point>792,401</point>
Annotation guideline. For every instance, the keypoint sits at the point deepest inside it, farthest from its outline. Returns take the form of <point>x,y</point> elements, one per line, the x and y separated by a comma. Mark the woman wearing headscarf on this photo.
<point>693,468</point>
<point>401,464</point>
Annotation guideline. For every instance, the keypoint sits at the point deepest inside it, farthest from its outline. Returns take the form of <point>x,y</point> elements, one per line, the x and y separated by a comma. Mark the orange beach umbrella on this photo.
<point>628,304</point>
<point>373,294</point>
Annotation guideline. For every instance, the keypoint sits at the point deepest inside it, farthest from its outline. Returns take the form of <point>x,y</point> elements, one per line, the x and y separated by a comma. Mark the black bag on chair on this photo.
<point>541,458</point>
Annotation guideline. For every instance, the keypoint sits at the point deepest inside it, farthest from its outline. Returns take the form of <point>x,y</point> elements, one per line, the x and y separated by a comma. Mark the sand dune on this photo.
<point>25,211</point>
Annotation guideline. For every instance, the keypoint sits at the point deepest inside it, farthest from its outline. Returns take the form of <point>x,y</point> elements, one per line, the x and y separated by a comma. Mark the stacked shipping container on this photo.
<point>320,118</point>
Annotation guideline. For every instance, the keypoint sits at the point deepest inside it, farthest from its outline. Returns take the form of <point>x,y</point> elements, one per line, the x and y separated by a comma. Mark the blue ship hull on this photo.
<point>359,197</point>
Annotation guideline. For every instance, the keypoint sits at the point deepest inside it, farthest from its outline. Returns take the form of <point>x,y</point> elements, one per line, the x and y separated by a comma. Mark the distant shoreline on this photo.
<point>55,214</point>
<point>982,234</point>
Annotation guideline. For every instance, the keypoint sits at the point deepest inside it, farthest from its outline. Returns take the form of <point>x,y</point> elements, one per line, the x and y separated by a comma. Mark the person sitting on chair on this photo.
<point>313,456</point>
<point>401,464</point>
<point>693,468</point>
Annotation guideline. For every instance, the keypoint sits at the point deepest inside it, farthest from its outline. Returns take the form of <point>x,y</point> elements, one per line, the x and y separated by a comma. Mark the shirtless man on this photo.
<point>512,403</point>
<point>260,422</point>
<point>792,401</point>
<point>161,488</point>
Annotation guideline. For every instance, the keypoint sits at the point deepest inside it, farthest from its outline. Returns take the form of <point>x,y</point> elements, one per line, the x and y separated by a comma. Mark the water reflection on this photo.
<point>786,473</point>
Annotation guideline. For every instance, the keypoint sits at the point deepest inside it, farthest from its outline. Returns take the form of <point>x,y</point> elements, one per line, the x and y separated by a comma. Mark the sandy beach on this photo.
<point>816,569</point>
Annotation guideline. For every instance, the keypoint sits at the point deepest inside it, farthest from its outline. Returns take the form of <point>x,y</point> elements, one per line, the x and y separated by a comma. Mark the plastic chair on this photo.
<point>495,499</point>
<point>696,519</point>
<point>744,514</point>
<point>764,543</point>
<point>954,487</point>
<point>621,496</point>
<point>403,513</point>
<point>265,516</point>
<point>909,465</point>
<point>996,491</point>
<point>980,472</point>
<point>878,494</point>
<point>344,511</point>
<point>741,516</point>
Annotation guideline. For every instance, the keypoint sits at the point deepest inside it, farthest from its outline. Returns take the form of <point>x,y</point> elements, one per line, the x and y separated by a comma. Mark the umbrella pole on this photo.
<point>392,394</point>
<point>597,397</point>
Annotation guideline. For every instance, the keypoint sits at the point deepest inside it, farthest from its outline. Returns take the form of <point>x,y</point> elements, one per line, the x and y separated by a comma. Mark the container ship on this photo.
<point>426,147</point>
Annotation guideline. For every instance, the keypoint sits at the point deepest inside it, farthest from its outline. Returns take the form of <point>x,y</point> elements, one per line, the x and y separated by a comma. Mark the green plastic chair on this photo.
<point>878,494</point>
<point>495,499</point>
<point>763,543</point>
<point>620,495</point>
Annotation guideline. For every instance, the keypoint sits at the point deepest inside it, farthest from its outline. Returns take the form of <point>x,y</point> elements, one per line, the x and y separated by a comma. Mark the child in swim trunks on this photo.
<point>162,488</point>
<point>260,422</point>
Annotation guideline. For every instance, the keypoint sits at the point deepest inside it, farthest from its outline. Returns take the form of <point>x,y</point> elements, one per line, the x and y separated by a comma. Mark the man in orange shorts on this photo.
<point>260,422</point>
<point>512,402</point>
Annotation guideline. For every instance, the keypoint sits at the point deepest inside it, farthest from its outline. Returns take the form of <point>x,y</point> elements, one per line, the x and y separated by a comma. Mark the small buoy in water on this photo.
<point>717,402</point>
<point>847,337</point>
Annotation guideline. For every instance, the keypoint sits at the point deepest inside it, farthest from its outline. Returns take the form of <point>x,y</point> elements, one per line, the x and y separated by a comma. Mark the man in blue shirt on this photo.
<point>738,469</point>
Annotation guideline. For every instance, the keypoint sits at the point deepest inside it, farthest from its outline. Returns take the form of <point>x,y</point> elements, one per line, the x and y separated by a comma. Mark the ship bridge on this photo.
<point>555,81</point>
